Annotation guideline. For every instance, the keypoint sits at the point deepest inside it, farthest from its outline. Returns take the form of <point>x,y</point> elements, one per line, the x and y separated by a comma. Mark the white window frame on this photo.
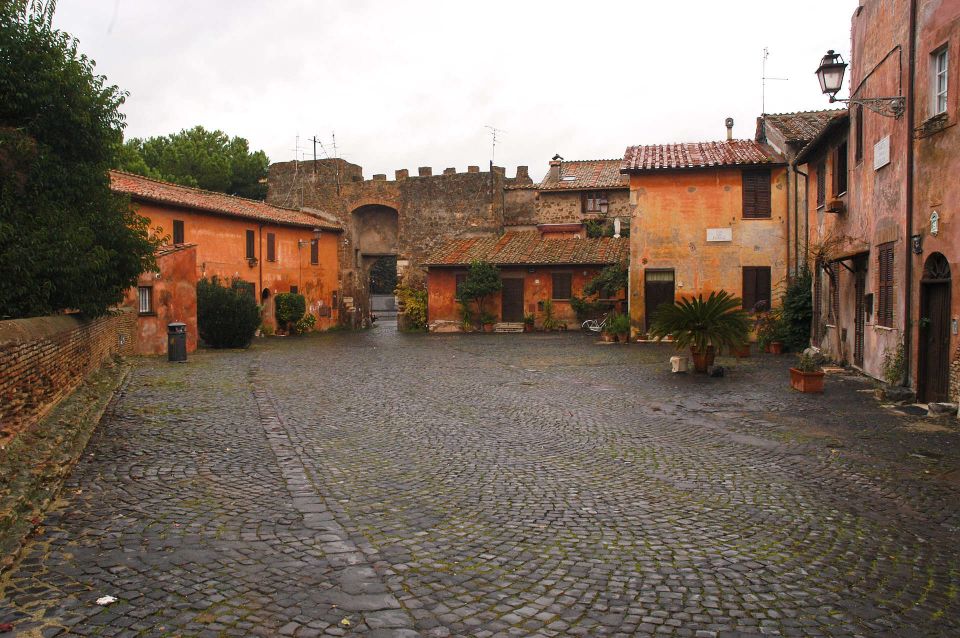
<point>145,299</point>
<point>939,80</point>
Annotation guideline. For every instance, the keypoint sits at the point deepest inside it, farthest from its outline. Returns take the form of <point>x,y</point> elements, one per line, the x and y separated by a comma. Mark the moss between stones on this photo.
<point>35,464</point>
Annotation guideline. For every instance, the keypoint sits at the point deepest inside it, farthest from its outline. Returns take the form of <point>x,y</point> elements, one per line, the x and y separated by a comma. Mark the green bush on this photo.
<point>414,304</point>
<point>586,309</point>
<point>797,312</point>
<point>483,279</point>
<point>227,317</point>
<point>770,327</point>
<point>608,282</point>
<point>697,323</point>
<point>618,324</point>
<point>305,324</point>
<point>289,308</point>
<point>549,321</point>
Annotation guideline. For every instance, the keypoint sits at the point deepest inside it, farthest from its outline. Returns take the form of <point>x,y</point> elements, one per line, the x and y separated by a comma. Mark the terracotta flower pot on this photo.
<point>703,360</point>
<point>606,337</point>
<point>623,337</point>
<point>809,382</point>
<point>488,327</point>
<point>775,347</point>
<point>528,327</point>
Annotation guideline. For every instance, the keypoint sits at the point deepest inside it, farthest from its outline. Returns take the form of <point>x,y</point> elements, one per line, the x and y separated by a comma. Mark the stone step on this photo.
<point>507,326</point>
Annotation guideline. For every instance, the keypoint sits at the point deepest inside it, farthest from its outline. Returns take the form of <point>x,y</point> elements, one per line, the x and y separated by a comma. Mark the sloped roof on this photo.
<point>169,249</point>
<point>152,190</point>
<point>688,155</point>
<point>529,248</point>
<point>802,126</point>
<point>585,175</point>
<point>836,126</point>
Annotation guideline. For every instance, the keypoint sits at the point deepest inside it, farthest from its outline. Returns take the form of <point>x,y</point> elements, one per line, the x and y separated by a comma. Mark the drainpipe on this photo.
<point>911,116</point>
<point>260,264</point>
<point>796,230</point>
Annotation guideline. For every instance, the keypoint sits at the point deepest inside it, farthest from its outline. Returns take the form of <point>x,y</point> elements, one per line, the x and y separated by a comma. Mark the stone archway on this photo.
<point>375,229</point>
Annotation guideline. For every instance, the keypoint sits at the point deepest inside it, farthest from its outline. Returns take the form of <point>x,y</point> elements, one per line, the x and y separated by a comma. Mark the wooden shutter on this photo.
<point>821,183</point>
<point>749,289</point>
<point>840,170</point>
<point>756,287</point>
<point>885,285</point>
<point>858,136</point>
<point>314,251</point>
<point>271,247</point>
<point>562,285</point>
<point>756,194</point>
<point>178,231</point>
<point>251,245</point>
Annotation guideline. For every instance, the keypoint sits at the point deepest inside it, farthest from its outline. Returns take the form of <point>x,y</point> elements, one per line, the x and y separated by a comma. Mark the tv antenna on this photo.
<point>765,77</point>
<point>493,134</point>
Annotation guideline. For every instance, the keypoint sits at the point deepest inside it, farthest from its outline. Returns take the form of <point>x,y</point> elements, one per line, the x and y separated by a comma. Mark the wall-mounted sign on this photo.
<point>934,223</point>
<point>719,234</point>
<point>881,153</point>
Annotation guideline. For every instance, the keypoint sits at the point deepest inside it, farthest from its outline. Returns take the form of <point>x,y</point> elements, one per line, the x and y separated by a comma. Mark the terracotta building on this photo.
<point>705,216</point>
<point>274,249</point>
<point>570,196</point>
<point>533,268</point>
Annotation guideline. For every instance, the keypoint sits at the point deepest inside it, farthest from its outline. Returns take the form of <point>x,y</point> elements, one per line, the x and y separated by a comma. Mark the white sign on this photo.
<point>719,234</point>
<point>881,153</point>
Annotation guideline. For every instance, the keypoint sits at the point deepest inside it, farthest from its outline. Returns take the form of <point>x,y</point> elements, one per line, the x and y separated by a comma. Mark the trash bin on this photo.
<point>177,341</point>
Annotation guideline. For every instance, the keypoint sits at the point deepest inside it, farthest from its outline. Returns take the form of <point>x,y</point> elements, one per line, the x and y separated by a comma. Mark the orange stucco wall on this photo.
<point>537,287</point>
<point>671,214</point>
<point>174,294</point>
<point>221,252</point>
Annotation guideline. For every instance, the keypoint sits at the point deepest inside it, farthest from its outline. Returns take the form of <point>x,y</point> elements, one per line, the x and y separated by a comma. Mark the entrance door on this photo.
<point>860,287</point>
<point>933,365</point>
<point>657,290</point>
<point>512,300</point>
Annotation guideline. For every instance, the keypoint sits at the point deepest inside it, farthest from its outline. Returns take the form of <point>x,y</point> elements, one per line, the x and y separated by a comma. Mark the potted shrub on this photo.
<point>528,321</point>
<point>770,330</point>
<point>487,320</point>
<point>807,376</point>
<point>703,325</point>
<point>550,322</point>
<point>620,326</point>
<point>482,281</point>
<point>289,308</point>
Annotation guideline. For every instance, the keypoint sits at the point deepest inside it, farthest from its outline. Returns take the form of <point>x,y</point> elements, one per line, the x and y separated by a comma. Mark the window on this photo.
<point>314,251</point>
<point>178,231</point>
<point>885,282</point>
<point>756,194</point>
<point>271,247</point>
<point>821,183</point>
<point>294,290</point>
<point>756,288</point>
<point>840,170</point>
<point>858,134</point>
<point>595,202</point>
<point>461,279</point>
<point>562,285</point>
<point>939,81</point>
<point>145,299</point>
<point>251,245</point>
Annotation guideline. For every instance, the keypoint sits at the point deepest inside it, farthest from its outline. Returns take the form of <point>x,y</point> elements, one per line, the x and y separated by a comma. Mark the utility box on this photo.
<point>678,364</point>
<point>177,341</point>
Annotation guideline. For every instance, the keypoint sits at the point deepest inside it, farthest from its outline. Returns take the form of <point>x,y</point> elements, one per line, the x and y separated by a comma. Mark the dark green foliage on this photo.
<point>383,275</point>
<point>798,312</point>
<point>227,317</point>
<point>618,324</point>
<point>413,302</point>
<point>586,309</point>
<point>289,308</point>
<point>610,281</point>
<point>197,157</point>
<point>483,279</point>
<point>66,241</point>
<point>604,228</point>
<point>697,323</point>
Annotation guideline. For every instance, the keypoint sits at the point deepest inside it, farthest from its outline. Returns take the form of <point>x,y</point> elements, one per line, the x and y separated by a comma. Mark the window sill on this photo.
<point>768,217</point>
<point>886,328</point>
<point>146,314</point>
<point>933,125</point>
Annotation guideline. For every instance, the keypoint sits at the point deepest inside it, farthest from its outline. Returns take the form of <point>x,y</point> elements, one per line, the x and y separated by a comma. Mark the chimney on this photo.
<point>555,165</point>
<point>729,123</point>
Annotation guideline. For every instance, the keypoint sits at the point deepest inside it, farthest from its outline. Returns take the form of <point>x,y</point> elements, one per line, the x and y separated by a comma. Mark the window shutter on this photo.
<point>251,245</point>
<point>821,183</point>
<point>885,286</point>
<point>314,251</point>
<point>271,247</point>
<point>178,231</point>
<point>749,195</point>
<point>749,289</point>
<point>562,285</point>
<point>763,285</point>
<point>756,194</point>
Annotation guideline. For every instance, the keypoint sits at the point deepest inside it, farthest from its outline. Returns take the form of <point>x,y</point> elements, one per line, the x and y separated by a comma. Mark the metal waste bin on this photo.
<point>177,341</point>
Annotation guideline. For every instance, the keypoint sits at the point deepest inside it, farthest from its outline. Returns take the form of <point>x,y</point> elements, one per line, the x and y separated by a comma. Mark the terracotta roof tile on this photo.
<point>529,248</point>
<point>586,174</point>
<point>802,126</point>
<point>146,189</point>
<point>698,155</point>
<point>169,249</point>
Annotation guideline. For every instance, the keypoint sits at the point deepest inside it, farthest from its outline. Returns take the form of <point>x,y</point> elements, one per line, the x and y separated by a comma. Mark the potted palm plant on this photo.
<point>703,325</point>
<point>620,326</point>
<point>528,321</point>
<point>807,376</point>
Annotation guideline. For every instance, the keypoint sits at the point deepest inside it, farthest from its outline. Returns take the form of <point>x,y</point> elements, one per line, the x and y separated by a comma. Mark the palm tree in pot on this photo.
<point>703,325</point>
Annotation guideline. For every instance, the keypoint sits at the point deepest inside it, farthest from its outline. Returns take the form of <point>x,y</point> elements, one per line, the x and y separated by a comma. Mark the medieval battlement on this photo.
<point>339,171</point>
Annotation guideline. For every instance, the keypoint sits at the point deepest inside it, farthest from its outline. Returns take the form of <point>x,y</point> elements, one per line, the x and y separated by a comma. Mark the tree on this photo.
<point>608,282</point>
<point>227,317</point>
<point>383,275</point>
<point>66,241</point>
<point>200,158</point>
<point>483,279</point>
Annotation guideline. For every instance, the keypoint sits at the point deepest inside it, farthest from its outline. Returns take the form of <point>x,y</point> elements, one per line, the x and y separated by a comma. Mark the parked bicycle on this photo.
<point>594,325</point>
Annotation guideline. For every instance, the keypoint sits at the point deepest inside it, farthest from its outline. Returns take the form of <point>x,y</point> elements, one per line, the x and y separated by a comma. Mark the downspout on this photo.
<point>260,264</point>
<point>911,116</point>
<point>806,218</point>
<point>790,167</point>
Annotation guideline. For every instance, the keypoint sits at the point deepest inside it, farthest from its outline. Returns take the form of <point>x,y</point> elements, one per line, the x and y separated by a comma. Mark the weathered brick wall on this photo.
<point>565,207</point>
<point>955,376</point>
<point>43,359</point>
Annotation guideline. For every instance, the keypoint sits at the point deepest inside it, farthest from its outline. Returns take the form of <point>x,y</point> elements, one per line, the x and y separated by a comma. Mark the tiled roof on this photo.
<point>586,174</point>
<point>529,248</point>
<point>146,189</point>
<point>698,155</point>
<point>803,126</point>
<point>169,249</point>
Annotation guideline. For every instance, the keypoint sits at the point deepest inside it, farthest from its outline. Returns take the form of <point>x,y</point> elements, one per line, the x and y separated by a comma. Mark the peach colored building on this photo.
<point>705,216</point>
<point>274,249</point>
<point>533,268</point>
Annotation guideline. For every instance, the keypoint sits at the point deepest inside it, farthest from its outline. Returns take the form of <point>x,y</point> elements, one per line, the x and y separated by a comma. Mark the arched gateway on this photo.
<point>376,231</point>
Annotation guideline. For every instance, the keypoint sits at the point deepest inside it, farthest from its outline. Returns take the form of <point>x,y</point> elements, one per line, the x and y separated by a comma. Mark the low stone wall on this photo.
<point>44,359</point>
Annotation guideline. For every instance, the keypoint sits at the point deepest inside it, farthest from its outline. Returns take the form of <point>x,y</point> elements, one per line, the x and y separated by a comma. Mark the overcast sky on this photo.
<point>408,84</point>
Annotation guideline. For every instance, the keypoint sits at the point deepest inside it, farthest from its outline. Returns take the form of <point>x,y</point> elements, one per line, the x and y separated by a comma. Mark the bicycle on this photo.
<point>592,325</point>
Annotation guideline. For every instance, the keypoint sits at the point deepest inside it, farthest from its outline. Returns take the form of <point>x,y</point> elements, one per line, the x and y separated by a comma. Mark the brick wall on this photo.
<point>43,359</point>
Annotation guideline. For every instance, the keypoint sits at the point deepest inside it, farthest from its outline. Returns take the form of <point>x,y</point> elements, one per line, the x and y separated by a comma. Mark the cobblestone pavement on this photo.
<point>508,485</point>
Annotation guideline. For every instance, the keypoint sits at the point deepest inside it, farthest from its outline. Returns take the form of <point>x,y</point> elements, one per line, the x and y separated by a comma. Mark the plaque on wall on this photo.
<point>719,234</point>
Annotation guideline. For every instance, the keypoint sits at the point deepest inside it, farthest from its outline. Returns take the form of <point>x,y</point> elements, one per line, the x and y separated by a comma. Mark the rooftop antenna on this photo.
<point>763,92</point>
<point>493,134</point>
<point>336,160</point>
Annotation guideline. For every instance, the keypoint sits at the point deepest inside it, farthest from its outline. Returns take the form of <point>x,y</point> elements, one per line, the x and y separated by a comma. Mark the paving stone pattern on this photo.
<point>509,485</point>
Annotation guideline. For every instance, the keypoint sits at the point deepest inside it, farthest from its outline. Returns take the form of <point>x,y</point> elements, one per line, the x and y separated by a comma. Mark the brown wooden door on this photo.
<point>657,289</point>
<point>934,360</point>
<point>512,300</point>
<point>860,287</point>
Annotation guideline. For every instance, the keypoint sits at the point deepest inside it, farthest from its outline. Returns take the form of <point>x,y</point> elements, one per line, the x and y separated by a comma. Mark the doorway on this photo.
<point>933,362</point>
<point>511,305</point>
<point>658,289</point>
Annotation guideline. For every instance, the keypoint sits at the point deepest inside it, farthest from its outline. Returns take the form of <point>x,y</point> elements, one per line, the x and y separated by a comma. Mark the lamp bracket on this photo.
<point>886,106</point>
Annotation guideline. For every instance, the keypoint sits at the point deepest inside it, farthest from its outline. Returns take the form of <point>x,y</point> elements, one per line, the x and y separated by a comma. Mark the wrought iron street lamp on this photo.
<point>830,73</point>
